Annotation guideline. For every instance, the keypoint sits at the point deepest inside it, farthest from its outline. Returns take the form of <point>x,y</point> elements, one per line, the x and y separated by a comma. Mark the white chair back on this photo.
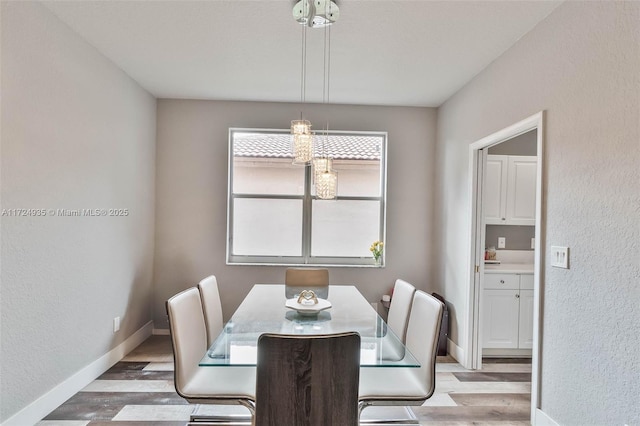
<point>423,331</point>
<point>188,334</point>
<point>400,308</point>
<point>212,307</point>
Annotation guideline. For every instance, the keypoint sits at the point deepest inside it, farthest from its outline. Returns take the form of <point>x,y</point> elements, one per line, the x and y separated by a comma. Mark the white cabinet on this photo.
<point>510,190</point>
<point>525,322</point>
<point>507,311</point>
<point>495,190</point>
<point>500,318</point>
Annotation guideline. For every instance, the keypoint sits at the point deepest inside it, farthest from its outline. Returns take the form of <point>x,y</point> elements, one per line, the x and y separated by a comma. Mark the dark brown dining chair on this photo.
<point>305,380</point>
<point>298,279</point>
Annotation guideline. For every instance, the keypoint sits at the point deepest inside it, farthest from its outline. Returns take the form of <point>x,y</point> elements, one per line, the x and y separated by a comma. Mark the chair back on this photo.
<point>308,380</point>
<point>400,308</point>
<point>422,336</point>
<point>188,335</point>
<point>211,307</point>
<point>298,279</point>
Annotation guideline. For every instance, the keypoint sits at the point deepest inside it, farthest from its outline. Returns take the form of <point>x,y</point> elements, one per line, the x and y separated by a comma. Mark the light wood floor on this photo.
<point>138,391</point>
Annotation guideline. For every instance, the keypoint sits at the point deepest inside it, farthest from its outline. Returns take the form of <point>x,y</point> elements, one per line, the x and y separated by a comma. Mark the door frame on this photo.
<point>473,354</point>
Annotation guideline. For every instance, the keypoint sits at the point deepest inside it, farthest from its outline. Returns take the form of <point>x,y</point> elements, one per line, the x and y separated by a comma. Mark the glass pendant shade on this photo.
<point>327,185</point>
<point>300,127</point>
<point>302,148</point>
<point>320,165</point>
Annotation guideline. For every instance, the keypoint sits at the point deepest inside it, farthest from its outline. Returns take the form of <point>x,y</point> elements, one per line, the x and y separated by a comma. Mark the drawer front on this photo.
<point>502,281</point>
<point>526,282</point>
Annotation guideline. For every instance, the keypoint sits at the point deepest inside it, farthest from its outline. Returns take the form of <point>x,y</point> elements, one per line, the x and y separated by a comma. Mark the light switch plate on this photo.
<point>502,242</point>
<point>560,257</point>
<point>533,243</point>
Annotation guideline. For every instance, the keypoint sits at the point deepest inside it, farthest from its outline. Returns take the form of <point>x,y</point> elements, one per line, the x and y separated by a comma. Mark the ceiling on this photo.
<point>413,53</point>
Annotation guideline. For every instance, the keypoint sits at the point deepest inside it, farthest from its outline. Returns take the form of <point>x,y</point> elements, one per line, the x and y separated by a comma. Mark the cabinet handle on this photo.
<point>501,281</point>
<point>517,296</point>
<point>503,218</point>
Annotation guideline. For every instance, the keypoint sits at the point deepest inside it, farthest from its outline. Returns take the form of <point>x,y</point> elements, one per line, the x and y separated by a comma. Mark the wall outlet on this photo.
<point>502,242</point>
<point>560,257</point>
<point>116,324</point>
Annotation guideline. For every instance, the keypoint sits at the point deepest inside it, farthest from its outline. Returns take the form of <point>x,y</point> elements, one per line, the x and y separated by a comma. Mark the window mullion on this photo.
<point>306,215</point>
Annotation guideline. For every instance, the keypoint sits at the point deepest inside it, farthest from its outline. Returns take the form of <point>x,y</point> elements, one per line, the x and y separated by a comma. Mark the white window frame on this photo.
<point>307,198</point>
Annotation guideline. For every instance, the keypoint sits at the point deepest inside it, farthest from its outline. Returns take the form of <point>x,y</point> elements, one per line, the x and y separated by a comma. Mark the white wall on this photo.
<point>582,66</point>
<point>76,133</point>
<point>192,195</point>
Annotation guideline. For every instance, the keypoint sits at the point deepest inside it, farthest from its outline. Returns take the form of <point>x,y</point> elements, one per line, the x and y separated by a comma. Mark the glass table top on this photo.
<point>264,311</point>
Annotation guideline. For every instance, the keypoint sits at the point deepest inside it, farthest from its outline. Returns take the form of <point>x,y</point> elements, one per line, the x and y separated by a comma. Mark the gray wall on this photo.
<point>582,66</point>
<point>524,144</point>
<point>76,133</point>
<point>517,237</point>
<point>191,196</point>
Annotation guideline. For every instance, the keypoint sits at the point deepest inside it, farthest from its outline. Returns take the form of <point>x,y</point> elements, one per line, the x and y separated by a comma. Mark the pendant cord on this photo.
<point>303,79</point>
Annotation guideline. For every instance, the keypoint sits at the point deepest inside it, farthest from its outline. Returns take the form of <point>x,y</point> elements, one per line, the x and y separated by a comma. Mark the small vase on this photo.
<point>378,261</point>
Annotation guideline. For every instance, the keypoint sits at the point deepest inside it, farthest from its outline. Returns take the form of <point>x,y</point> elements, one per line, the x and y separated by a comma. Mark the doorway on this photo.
<point>481,201</point>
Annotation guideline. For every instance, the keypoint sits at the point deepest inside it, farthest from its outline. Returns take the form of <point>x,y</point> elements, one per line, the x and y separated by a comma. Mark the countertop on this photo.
<point>509,268</point>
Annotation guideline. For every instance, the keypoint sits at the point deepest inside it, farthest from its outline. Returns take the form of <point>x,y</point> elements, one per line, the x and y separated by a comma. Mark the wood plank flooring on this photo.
<point>138,391</point>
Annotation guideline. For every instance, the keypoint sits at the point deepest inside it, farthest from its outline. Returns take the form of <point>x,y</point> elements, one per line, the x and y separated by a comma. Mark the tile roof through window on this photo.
<point>278,145</point>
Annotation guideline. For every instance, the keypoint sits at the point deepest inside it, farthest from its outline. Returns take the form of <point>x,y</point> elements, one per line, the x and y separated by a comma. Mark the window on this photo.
<point>274,216</point>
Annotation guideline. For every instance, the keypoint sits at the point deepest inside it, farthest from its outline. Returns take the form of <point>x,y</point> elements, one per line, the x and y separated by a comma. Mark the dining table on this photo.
<point>264,310</point>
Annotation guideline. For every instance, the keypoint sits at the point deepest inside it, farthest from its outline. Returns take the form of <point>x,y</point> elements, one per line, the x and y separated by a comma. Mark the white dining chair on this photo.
<point>408,386</point>
<point>203,385</point>
<point>211,307</point>
<point>400,308</point>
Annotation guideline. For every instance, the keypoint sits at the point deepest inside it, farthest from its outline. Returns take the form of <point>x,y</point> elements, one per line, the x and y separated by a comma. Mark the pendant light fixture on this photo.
<point>302,145</point>
<point>326,179</point>
<point>315,14</point>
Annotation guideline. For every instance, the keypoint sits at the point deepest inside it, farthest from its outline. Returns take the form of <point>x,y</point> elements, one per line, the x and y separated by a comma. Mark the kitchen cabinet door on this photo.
<point>525,332</point>
<point>495,190</point>
<point>500,319</point>
<point>521,191</point>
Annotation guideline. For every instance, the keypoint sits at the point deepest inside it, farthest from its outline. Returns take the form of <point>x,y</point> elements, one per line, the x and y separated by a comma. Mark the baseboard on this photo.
<point>34,412</point>
<point>455,351</point>
<point>160,332</point>
<point>542,419</point>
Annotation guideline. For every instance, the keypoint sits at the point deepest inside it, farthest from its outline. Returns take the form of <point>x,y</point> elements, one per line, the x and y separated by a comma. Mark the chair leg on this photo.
<point>197,419</point>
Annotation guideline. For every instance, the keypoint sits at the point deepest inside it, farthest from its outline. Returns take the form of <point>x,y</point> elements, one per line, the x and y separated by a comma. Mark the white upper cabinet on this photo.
<point>521,191</point>
<point>510,190</point>
<point>495,190</point>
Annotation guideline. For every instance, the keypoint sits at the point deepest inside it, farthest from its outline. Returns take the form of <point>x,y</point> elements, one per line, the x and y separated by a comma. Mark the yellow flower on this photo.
<point>376,249</point>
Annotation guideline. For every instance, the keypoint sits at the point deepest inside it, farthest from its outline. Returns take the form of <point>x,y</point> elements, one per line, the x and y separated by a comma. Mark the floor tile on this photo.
<point>154,349</point>
<point>137,375</point>
<point>130,386</point>
<point>473,414</point>
<point>140,423</point>
<point>440,400</point>
<point>506,368</point>
<point>483,387</point>
<point>491,399</point>
<point>506,360</point>
<point>154,413</point>
<point>481,376</point>
<point>139,391</point>
<point>159,366</point>
<point>105,405</point>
